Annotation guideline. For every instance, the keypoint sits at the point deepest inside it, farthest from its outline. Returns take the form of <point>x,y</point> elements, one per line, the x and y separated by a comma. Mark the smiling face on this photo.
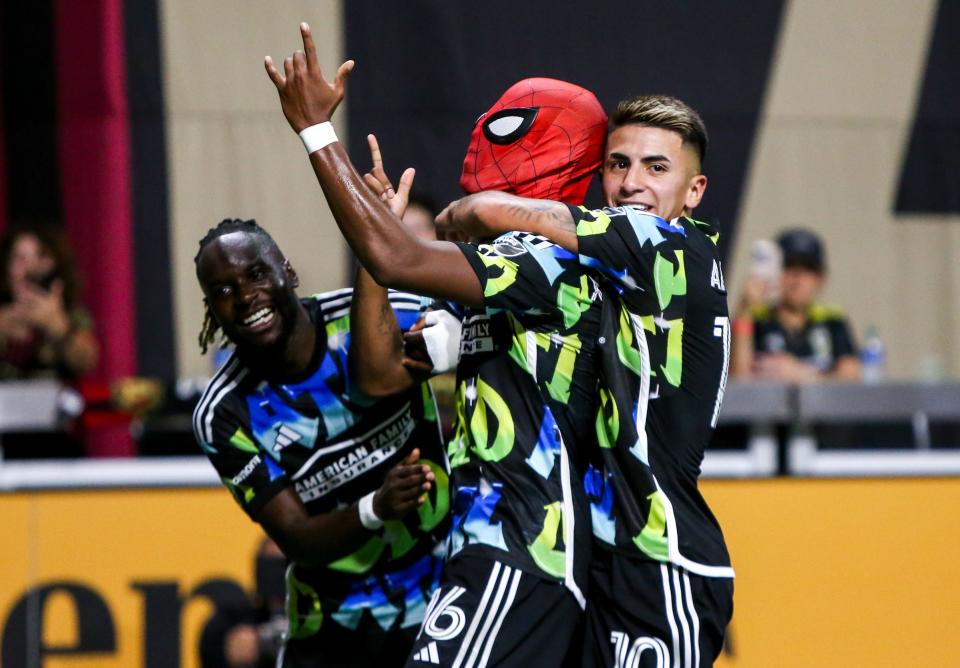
<point>652,168</point>
<point>250,288</point>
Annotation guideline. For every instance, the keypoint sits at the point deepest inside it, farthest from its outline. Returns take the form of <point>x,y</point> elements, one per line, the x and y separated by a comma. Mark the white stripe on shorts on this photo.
<point>684,627</point>
<point>678,602</point>
<point>668,607</point>
<point>489,617</point>
<point>695,619</point>
<point>475,622</point>
<point>514,586</point>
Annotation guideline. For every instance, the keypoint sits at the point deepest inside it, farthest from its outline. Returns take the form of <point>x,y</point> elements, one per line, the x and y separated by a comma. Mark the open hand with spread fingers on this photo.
<point>306,97</point>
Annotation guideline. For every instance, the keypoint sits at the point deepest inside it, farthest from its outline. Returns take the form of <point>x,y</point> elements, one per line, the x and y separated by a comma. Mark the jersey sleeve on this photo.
<point>250,474</point>
<point>640,253</point>
<point>407,308</point>
<point>527,274</point>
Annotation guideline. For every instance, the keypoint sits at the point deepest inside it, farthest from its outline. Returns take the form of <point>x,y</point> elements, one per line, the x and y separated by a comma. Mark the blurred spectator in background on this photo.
<point>250,635</point>
<point>780,330</point>
<point>420,214</point>
<point>44,331</point>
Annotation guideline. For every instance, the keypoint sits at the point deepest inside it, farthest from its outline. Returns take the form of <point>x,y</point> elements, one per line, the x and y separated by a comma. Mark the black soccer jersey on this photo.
<point>662,388</point>
<point>526,394</point>
<point>333,446</point>
<point>824,338</point>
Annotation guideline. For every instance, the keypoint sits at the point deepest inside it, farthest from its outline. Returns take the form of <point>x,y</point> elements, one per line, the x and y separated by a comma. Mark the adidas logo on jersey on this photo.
<point>428,654</point>
<point>285,436</point>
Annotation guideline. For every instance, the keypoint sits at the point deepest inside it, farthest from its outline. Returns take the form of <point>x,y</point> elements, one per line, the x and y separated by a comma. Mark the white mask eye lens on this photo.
<point>508,125</point>
<point>505,125</point>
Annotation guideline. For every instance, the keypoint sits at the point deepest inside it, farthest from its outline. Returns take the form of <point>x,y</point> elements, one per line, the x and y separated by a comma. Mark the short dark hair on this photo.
<point>210,328</point>
<point>668,113</point>
<point>229,226</point>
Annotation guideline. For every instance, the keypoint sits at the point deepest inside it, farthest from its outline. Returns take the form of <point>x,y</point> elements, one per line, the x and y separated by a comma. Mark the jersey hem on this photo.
<point>706,570</point>
<point>479,552</point>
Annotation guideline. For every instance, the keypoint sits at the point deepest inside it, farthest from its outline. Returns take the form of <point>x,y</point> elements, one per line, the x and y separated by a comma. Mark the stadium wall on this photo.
<point>231,153</point>
<point>829,572</point>
<point>838,116</point>
<point>813,108</point>
<point>860,141</point>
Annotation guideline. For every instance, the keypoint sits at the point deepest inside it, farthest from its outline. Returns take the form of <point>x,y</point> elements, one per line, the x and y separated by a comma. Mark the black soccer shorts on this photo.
<point>335,646</point>
<point>487,613</point>
<point>646,614</point>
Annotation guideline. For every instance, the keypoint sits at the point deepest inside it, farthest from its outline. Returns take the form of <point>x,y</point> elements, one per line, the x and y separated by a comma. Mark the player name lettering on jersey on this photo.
<point>476,336</point>
<point>716,277</point>
<point>373,449</point>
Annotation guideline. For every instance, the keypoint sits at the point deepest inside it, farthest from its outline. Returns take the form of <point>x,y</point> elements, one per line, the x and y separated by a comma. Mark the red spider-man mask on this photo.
<point>543,139</point>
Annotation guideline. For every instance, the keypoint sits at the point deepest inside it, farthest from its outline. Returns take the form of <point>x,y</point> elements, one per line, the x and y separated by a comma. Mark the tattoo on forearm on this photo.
<point>525,213</point>
<point>389,327</point>
<point>561,219</point>
<point>553,214</point>
<point>386,322</point>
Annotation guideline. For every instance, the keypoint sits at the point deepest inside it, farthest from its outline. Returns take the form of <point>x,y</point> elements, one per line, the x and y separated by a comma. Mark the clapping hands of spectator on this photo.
<point>44,309</point>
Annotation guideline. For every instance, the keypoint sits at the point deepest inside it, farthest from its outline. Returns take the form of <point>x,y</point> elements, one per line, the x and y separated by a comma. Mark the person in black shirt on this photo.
<point>796,339</point>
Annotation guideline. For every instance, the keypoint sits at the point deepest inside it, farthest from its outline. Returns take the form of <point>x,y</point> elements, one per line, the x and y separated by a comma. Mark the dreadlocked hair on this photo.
<point>210,328</point>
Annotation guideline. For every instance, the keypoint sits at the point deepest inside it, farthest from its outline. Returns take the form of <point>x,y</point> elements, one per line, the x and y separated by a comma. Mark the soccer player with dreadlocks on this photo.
<point>353,489</point>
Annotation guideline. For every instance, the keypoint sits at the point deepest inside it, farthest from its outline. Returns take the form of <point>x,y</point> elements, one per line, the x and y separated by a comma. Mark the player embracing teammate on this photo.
<point>661,587</point>
<point>647,381</point>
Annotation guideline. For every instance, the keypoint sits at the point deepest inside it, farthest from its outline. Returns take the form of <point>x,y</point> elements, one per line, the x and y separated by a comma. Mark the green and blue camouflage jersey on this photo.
<point>317,434</point>
<point>662,385</point>
<point>526,391</point>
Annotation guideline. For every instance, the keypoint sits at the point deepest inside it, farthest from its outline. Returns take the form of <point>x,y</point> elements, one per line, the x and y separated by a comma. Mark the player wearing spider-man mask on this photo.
<point>513,589</point>
<point>542,139</point>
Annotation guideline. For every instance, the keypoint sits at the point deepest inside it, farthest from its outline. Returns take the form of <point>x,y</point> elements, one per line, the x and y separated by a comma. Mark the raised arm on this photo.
<point>376,341</point>
<point>392,255</point>
<point>489,214</point>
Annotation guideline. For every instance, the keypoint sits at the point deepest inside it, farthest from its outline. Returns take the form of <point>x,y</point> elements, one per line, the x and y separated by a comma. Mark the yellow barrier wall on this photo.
<point>843,572</point>
<point>829,572</point>
<point>120,544</point>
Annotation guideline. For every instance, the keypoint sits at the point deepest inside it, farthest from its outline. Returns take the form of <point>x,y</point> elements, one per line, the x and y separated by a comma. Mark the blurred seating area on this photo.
<point>765,429</point>
<point>836,429</point>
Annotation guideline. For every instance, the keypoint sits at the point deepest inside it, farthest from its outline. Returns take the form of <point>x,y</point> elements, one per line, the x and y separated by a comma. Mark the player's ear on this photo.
<point>291,274</point>
<point>695,190</point>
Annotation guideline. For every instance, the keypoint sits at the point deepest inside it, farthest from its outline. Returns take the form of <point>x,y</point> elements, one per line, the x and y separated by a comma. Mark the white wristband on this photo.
<point>368,518</point>
<point>318,136</point>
